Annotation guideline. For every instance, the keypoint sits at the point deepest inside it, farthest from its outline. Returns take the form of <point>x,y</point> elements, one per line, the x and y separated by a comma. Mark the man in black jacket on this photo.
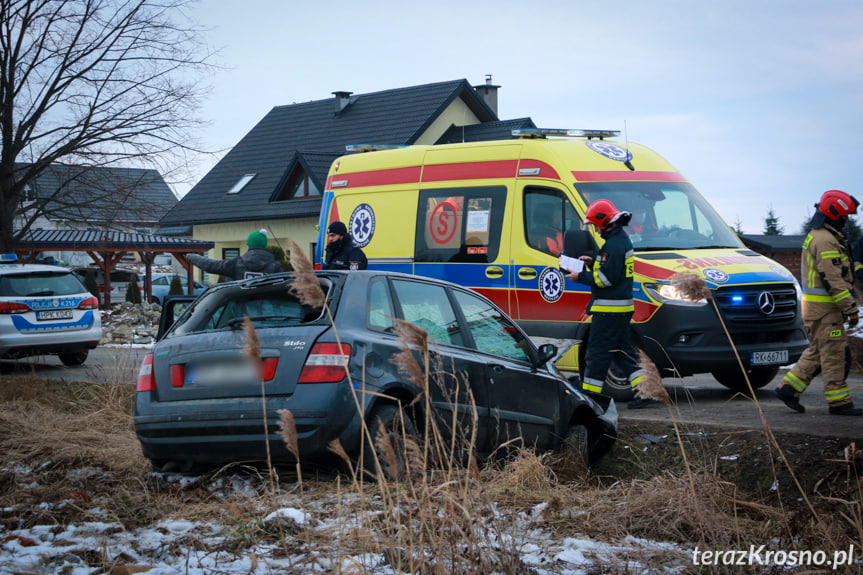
<point>256,262</point>
<point>341,253</point>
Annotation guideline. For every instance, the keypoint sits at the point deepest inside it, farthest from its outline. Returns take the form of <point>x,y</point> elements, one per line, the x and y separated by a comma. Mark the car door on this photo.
<point>457,382</point>
<point>523,401</point>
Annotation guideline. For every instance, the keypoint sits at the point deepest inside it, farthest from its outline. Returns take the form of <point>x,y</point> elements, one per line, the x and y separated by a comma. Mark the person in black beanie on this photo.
<point>341,253</point>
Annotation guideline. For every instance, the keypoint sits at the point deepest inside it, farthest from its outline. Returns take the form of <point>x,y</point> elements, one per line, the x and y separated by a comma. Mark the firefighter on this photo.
<point>611,305</point>
<point>829,301</point>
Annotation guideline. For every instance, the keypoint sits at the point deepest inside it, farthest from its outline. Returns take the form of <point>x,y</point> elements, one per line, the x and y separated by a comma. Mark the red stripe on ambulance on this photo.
<point>388,177</point>
<point>470,171</point>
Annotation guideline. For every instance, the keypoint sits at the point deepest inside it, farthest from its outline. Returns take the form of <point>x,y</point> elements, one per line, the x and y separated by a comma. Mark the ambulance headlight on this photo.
<point>668,293</point>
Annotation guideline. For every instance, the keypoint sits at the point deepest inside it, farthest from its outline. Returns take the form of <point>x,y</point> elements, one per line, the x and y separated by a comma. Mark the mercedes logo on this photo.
<point>766,303</point>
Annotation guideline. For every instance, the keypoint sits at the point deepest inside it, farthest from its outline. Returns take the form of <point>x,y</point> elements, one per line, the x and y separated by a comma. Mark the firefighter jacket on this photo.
<point>827,271</point>
<point>610,277</point>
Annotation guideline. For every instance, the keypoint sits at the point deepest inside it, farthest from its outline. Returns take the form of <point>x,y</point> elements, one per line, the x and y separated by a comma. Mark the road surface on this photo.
<point>698,400</point>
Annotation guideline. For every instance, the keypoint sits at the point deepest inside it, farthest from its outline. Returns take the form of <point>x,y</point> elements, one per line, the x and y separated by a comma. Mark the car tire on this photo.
<point>156,301</point>
<point>758,376</point>
<point>576,447</point>
<point>72,359</point>
<point>388,420</point>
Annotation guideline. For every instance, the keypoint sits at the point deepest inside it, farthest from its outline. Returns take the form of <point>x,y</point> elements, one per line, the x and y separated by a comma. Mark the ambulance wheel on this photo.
<point>758,376</point>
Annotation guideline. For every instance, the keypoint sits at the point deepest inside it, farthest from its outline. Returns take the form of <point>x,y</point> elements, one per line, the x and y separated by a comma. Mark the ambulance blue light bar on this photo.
<point>545,132</point>
<point>372,147</point>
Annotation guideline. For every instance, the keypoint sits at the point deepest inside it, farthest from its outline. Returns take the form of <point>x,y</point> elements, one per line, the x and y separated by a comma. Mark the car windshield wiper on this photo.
<point>237,322</point>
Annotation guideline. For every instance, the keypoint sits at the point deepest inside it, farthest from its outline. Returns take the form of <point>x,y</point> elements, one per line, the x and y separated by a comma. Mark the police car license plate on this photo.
<point>779,357</point>
<point>54,314</point>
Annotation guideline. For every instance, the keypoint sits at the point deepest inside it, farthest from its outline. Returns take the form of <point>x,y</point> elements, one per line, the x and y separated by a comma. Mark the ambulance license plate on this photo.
<point>54,314</point>
<point>779,357</point>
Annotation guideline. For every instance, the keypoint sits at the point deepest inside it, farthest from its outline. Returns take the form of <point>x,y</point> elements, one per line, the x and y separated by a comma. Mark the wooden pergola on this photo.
<point>107,248</point>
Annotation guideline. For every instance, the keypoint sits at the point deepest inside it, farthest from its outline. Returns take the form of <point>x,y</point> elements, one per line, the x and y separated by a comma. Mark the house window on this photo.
<point>229,253</point>
<point>301,186</point>
<point>238,187</point>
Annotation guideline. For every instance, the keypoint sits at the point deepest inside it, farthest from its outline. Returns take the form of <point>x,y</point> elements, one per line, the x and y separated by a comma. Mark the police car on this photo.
<point>46,310</point>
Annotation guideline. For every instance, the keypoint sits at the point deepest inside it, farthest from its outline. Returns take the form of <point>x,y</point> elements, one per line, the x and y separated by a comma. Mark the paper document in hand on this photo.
<point>571,264</point>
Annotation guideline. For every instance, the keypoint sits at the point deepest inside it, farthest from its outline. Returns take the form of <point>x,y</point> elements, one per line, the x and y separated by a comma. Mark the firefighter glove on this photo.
<point>853,318</point>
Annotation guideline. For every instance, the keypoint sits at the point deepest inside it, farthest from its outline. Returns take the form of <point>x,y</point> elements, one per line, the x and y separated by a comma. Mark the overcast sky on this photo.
<point>758,102</point>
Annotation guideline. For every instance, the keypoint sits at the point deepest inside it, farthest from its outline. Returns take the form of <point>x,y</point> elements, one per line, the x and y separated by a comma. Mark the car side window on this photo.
<point>380,306</point>
<point>492,331</point>
<point>427,306</point>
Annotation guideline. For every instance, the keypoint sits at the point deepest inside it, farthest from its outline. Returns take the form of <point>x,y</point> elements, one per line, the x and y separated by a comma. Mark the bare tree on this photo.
<point>92,83</point>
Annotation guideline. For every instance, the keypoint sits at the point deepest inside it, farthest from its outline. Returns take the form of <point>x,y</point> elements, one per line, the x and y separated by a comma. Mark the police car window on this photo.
<point>427,306</point>
<point>461,225</point>
<point>40,284</point>
<point>492,332</point>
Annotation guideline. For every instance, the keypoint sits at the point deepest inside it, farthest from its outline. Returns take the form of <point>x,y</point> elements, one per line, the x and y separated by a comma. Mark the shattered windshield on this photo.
<point>665,215</point>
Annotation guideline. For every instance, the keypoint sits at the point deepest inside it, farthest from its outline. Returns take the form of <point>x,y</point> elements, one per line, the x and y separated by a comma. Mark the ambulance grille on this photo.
<point>757,306</point>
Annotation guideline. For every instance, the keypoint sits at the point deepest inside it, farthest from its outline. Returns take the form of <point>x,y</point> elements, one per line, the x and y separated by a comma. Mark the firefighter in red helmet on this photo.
<point>611,305</point>
<point>829,302</point>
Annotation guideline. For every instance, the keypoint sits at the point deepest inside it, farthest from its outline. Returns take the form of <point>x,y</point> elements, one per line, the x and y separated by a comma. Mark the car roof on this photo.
<point>23,268</point>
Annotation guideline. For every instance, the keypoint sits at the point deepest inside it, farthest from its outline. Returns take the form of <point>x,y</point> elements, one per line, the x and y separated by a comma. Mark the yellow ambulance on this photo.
<point>492,216</point>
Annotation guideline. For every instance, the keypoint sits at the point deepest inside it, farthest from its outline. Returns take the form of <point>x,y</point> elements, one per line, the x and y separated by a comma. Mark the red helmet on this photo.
<point>835,203</point>
<point>601,213</point>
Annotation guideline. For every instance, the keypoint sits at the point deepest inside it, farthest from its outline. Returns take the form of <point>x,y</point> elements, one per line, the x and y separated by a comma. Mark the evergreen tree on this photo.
<point>133,293</point>
<point>176,286</point>
<point>771,224</point>
<point>738,226</point>
<point>90,283</point>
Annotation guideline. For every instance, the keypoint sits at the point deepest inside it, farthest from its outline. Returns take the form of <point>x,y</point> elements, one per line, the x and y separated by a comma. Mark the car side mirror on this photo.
<point>172,308</point>
<point>546,352</point>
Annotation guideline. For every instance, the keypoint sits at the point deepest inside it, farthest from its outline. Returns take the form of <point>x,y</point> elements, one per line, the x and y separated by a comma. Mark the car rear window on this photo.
<point>39,284</point>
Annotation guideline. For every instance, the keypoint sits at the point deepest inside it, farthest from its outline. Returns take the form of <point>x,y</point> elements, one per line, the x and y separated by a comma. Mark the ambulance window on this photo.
<point>547,215</point>
<point>459,224</point>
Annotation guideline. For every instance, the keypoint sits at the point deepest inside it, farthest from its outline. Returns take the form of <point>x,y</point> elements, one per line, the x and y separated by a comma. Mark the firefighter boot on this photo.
<point>845,409</point>
<point>788,397</point>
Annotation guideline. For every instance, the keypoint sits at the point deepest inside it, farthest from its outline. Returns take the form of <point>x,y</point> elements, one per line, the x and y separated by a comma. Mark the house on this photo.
<point>782,249</point>
<point>93,199</point>
<point>274,177</point>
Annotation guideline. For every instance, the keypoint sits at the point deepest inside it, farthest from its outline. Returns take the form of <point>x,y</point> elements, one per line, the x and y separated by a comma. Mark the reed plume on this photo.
<point>691,287</point>
<point>306,286</point>
<point>288,431</point>
<point>251,343</point>
<point>650,386</point>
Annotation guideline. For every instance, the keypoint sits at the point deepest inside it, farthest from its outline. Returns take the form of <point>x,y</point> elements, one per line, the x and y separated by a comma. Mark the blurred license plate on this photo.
<point>215,374</point>
<point>769,357</point>
<point>54,314</point>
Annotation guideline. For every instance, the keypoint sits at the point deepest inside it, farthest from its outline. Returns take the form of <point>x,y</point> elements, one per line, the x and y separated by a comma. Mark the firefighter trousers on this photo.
<point>825,355</point>
<point>609,340</point>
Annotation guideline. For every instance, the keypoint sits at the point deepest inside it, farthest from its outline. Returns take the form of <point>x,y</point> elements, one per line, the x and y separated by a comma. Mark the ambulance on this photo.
<point>492,216</point>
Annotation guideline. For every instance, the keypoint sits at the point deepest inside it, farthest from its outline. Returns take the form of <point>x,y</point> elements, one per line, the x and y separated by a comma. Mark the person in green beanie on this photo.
<point>256,262</point>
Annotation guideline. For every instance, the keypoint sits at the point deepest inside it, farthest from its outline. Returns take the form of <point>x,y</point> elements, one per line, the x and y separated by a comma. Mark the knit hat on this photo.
<point>338,228</point>
<point>257,239</point>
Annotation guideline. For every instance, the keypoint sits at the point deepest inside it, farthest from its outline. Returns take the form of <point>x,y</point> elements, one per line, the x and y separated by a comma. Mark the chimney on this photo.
<point>488,92</point>
<point>342,100</point>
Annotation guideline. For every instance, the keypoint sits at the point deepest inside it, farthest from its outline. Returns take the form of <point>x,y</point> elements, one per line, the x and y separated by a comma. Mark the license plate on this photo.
<point>779,357</point>
<point>208,374</point>
<point>54,314</point>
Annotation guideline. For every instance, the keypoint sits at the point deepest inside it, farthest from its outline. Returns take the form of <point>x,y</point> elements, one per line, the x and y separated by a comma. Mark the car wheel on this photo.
<point>758,376</point>
<point>576,448</point>
<point>73,359</point>
<point>156,301</point>
<point>388,456</point>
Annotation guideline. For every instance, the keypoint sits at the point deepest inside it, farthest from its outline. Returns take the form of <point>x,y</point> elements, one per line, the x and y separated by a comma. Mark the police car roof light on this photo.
<point>8,258</point>
<point>372,147</point>
<point>545,132</point>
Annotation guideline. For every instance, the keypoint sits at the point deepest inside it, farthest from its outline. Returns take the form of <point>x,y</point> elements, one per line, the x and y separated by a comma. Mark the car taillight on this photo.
<point>326,363</point>
<point>11,307</point>
<point>89,303</point>
<point>146,378</point>
<point>178,374</point>
<point>268,368</point>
